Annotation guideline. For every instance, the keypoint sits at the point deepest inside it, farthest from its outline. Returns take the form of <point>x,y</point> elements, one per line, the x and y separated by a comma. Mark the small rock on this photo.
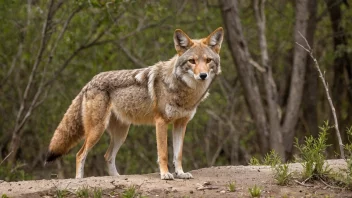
<point>174,190</point>
<point>191,191</point>
<point>1,181</point>
<point>222,192</point>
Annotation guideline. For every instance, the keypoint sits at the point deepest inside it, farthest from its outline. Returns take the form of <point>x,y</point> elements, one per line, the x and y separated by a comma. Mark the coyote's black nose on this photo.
<point>203,76</point>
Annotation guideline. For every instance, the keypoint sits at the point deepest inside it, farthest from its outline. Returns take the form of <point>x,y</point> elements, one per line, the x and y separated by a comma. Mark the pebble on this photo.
<point>222,192</point>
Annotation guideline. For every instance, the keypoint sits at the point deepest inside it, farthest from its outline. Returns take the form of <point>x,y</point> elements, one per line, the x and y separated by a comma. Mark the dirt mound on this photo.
<point>208,182</point>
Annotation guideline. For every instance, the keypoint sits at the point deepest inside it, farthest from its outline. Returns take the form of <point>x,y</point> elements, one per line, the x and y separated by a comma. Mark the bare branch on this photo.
<point>257,66</point>
<point>130,56</point>
<point>322,77</point>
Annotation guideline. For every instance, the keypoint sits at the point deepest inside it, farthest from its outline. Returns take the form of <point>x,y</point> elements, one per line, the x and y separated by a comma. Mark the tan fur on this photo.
<point>167,92</point>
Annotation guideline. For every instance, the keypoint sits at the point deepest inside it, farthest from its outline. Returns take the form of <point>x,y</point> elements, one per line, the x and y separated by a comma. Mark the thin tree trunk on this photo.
<point>276,142</point>
<point>342,63</point>
<point>311,82</point>
<point>240,54</point>
<point>298,74</point>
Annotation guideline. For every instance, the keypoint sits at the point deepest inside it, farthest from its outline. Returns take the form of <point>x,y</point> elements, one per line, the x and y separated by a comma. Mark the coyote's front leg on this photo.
<point>178,136</point>
<point>161,139</point>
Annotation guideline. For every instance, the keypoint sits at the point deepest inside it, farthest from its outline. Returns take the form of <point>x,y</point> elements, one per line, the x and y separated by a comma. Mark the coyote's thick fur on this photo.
<point>167,92</point>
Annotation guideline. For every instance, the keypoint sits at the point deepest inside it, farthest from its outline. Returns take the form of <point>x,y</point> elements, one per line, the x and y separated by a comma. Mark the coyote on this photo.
<point>165,93</point>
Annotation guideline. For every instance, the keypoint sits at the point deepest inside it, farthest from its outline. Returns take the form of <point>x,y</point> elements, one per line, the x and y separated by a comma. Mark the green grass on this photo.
<point>272,159</point>
<point>82,192</point>
<point>4,196</point>
<point>231,187</point>
<point>255,191</point>
<point>282,174</point>
<point>130,192</point>
<point>254,161</point>
<point>61,193</point>
<point>97,193</point>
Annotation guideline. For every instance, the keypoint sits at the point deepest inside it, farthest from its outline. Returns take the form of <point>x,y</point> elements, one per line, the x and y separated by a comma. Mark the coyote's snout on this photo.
<point>165,93</point>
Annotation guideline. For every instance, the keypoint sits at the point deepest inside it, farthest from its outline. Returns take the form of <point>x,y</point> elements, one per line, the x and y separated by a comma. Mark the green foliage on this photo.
<point>272,159</point>
<point>4,196</point>
<point>9,172</point>
<point>61,193</point>
<point>255,191</point>
<point>254,161</point>
<point>130,192</point>
<point>231,186</point>
<point>312,154</point>
<point>97,193</point>
<point>82,192</point>
<point>282,174</point>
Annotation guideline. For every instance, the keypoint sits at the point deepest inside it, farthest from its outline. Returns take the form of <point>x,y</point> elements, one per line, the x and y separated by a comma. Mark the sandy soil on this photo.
<point>208,182</point>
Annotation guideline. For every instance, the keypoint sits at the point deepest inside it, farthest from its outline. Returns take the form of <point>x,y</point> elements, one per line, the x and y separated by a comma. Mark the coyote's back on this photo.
<point>167,92</point>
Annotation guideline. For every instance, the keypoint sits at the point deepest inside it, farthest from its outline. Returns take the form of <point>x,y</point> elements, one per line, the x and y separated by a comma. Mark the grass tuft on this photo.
<point>82,192</point>
<point>232,186</point>
<point>255,191</point>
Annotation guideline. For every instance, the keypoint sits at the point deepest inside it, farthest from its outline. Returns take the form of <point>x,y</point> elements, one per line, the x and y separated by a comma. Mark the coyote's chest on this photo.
<point>184,102</point>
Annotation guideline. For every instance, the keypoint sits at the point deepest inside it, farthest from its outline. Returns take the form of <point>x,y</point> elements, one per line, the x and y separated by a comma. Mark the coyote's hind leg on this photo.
<point>96,112</point>
<point>118,132</point>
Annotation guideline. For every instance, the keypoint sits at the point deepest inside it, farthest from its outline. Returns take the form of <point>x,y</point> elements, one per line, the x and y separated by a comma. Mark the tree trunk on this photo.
<point>298,74</point>
<point>269,83</point>
<point>342,62</point>
<point>311,85</point>
<point>240,54</point>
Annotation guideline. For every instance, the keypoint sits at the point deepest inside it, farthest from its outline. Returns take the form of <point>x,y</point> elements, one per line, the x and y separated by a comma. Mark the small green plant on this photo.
<point>282,174</point>
<point>4,196</point>
<point>131,192</point>
<point>97,193</point>
<point>232,186</point>
<point>254,161</point>
<point>255,191</point>
<point>82,191</point>
<point>61,193</point>
<point>312,154</point>
<point>272,159</point>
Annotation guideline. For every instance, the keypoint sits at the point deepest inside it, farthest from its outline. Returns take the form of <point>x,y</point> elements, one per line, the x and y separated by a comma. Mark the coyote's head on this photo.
<point>198,59</point>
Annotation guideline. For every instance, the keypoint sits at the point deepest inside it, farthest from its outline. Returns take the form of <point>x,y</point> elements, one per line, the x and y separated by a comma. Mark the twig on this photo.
<point>334,187</point>
<point>310,52</point>
<point>303,184</point>
<point>8,155</point>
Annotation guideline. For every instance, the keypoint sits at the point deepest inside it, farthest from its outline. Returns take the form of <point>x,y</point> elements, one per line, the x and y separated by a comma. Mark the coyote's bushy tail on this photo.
<point>69,131</point>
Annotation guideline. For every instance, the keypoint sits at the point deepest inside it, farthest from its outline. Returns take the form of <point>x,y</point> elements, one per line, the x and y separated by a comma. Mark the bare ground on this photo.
<point>208,182</point>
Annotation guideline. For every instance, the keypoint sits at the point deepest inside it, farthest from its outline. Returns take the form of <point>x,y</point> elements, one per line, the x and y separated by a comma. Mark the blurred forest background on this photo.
<point>268,93</point>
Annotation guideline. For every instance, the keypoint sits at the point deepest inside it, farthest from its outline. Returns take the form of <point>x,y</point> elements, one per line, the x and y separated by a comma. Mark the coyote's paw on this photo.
<point>183,175</point>
<point>167,176</point>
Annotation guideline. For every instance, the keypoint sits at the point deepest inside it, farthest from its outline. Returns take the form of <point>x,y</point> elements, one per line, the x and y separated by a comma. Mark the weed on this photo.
<point>312,154</point>
<point>4,196</point>
<point>255,191</point>
<point>97,193</point>
<point>254,161</point>
<point>282,174</point>
<point>131,192</point>
<point>83,192</point>
<point>232,186</point>
<point>272,159</point>
<point>61,193</point>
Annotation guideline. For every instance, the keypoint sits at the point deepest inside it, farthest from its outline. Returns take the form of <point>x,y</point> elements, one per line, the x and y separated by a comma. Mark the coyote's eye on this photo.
<point>208,60</point>
<point>192,61</point>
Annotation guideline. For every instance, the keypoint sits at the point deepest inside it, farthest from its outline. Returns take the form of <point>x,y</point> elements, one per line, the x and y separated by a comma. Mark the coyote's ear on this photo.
<point>214,40</point>
<point>182,41</point>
